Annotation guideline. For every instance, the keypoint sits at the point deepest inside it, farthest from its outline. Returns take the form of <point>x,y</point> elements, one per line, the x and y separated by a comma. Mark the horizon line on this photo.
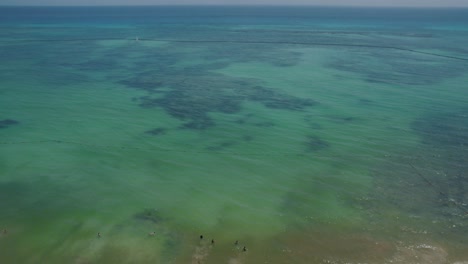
<point>243,5</point>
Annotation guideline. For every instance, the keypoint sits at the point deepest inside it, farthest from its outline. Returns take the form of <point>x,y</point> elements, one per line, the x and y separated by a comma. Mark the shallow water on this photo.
<point>308,135</point>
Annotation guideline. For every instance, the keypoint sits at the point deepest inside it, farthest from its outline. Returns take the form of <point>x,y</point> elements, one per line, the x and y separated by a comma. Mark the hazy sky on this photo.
<point>419,3</point>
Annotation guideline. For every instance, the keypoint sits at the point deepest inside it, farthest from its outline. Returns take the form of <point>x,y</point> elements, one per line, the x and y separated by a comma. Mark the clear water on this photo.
<point>308,135</point>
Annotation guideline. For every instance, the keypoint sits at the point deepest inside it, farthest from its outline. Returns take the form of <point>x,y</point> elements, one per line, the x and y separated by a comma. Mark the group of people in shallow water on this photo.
<point>244,249</point>
<point>204,248</point>
<point>201,253</point>
<point>235,243</point>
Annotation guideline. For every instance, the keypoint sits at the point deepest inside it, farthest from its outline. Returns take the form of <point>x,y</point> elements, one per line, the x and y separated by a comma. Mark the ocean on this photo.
<point>223,134</point>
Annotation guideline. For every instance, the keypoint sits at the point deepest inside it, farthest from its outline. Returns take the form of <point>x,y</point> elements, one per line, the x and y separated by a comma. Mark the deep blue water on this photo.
<point>234,15</point>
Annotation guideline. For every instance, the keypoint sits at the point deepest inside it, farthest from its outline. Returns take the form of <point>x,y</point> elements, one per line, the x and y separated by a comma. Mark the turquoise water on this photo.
<point>308,135</point>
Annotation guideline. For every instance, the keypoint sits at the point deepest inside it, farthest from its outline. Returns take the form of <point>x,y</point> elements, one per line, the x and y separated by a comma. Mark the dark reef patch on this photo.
<point>200,124</point>
<point>221,146</point>
<point>265,124</point>
<point>157,131</point>
<point>272,99</point>
<point>151,215</point>
<point>341,119</point>
<point>315,126</point>
<point>241,121</point>
<point>443,129</point>
<point>191,92</point>
<point>314,143</point>
<point>141,84</point>
<point>247,138</point>
<point>310,120</point>
<point>7,123</point>
<point>192,97</point>
<point>364,101</point>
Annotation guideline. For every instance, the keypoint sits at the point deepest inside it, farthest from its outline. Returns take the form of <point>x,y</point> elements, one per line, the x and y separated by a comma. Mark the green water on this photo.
<point>302,153</point>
